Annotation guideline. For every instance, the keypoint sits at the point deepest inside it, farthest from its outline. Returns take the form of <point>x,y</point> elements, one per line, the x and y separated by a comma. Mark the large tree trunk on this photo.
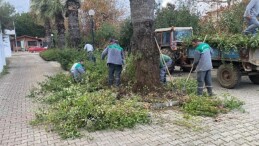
<point>47,32</point>
<point>144,48</point>
<point>59,20</point>
<point>72,7</point>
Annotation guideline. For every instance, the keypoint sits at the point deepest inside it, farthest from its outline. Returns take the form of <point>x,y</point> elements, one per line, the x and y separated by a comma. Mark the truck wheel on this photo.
<point>254,79</point>
<point>228,75</point>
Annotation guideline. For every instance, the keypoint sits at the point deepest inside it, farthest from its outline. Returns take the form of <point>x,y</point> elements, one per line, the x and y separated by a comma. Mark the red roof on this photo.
<point>26,36</point>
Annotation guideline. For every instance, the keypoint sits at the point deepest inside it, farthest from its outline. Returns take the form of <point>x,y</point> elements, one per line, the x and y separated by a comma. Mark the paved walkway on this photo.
<point>168,128</point>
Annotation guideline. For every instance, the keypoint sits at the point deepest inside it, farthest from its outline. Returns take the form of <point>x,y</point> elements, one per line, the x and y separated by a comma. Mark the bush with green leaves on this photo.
<point>50,54</point>
<point>66,57</point>
<point>178,17</point>
<point>230,21</point>
<point>203,105</point>
<point>104,33</point>
<point>228,42</point>
<point>72,106</point>
<point>126,32</point>
<point>92,111</point>
<point>211,106</point>
<point>128,73</point>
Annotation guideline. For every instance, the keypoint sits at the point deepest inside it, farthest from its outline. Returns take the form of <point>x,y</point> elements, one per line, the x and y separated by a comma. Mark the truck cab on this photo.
<point>170,40</point>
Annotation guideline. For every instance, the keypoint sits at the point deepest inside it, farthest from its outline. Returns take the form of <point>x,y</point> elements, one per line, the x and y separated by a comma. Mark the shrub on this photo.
<point>50,54</point>
<point>104,33</point>
<point>93,111</point>
<point>65,57</point>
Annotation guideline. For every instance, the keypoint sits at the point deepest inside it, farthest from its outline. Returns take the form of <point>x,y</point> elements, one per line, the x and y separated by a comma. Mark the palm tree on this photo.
<point>39,8</point>
<point>147,66</point>
<point>53,9</point>
<point>7,15</point>
<point>72,7</point>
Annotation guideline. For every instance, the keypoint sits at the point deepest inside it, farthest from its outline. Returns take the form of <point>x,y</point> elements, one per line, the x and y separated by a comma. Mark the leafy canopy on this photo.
<point>25,25</point>
<point>7,12</point>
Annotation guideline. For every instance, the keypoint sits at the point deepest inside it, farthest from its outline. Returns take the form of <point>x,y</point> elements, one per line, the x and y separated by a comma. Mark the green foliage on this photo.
<point>104,33</point>
<point>128,73</point>
<point>50,54</point>
<point>5,68</point>
<point>86,104</point>
<point>204,105</point>
<point>230,102</point>
<point>231,20</point>
<point>228,21</point>
<point>25,25</point>
<point>65,57</point>
<point>190,86</point>
<point>92,111</point>
<point>69,56</point>
<point>181,17</point>
<point>7,12</point>
<point>229,42</point>
<point>4,71</point>
<point>97,71</point>
<point>126,32</point>
<point>55,83</point>
<point>211,106</point>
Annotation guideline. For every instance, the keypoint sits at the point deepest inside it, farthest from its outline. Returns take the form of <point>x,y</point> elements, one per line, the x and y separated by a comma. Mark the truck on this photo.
<point>231,65</point>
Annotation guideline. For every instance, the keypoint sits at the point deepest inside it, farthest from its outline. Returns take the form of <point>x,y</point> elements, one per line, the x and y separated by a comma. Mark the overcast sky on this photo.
<point>20,5</point>
<point>23,5</point>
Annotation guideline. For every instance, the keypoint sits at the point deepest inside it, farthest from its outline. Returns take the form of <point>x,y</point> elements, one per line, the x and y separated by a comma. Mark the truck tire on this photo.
<point>254,79</point>
<point>228,75</point>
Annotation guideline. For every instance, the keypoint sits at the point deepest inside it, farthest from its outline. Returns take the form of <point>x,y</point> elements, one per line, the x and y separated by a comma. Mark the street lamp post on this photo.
<point>91,13</point>
<point>52,43</point>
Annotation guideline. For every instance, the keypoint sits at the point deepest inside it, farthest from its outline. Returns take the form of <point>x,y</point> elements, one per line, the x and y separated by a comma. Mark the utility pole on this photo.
<point>15,36</point>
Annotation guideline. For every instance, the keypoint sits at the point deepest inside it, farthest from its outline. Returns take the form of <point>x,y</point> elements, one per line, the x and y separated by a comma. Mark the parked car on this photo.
<point>36,49</point>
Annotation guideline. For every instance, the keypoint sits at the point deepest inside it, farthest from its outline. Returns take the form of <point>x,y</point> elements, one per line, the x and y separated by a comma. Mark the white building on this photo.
<point>5,47</point>
<point>6,42</point>
<point>2,56</point>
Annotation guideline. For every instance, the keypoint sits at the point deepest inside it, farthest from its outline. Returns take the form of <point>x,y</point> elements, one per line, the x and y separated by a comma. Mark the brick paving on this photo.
<point>168,127</point>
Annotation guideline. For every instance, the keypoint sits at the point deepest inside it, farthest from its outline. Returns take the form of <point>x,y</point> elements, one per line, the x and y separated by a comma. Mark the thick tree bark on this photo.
<point>72,7</point>
<point>47,32</point>
<point>143,47</point>
<point>59,20</point>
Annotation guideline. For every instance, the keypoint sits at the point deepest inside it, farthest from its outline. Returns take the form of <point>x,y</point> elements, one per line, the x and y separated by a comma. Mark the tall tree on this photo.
<point>179,17</point>
<point>6,15</point>
<point>144,48</point>
<point>72,7</point>
<point>40,9</point>
<point>105,11</point>
<point>56,11</point>
<point>25,25</point>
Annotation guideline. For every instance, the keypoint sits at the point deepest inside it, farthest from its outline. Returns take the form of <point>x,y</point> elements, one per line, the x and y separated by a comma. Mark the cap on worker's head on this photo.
<point>195,40</point>
<point>81,60</point>
<point>112,40</point>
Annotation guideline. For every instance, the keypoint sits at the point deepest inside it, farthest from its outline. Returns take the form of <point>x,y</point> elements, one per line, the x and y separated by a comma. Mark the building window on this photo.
<point>18,43</point>
<point>32,43</point>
